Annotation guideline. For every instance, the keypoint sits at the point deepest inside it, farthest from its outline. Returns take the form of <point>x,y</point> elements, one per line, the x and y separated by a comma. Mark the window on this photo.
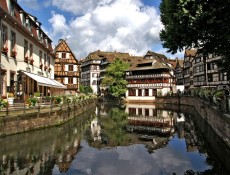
<point>4,36</point>
<point>70,67</point>
<point>12,9</point>
<point>132,111</point>
<point>70,80</point>
<point>28,24</point>
<point>13,42</point>
<point>25,48</point>
<point>132,92</point>
<point>31,51</point>
<point>48,60</point>
<point>154,92</point>
<point>146,92</point>
<point>139,111</point>
<point>139,92</point>
<point>94,82</point>
<point>146,112</point>
<point>40,56</point>
<point>198,59</point>
<point>45,59</point>
<point>63,55</point>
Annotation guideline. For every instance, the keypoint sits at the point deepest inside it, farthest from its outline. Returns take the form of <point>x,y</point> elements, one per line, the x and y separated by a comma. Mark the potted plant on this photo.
<point>31,61</point>
<point>37,95</point>
<point>41,65</point>
<point>3,103</point>
<point>4,50</point>
<point>10,98</point>
<point>26,59</point>
<point>13,53</point>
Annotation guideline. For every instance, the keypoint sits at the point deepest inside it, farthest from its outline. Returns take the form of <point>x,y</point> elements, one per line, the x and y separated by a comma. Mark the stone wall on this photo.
<point>27,122</point>
<point>217,119</point>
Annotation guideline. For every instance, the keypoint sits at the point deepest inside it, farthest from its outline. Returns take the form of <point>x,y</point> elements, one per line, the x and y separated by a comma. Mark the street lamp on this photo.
<point>23,78</point>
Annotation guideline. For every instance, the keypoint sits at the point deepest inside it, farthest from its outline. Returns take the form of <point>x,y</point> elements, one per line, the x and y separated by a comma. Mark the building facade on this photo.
<point>201,70</point>
<point>90,71</point>
<point>153,76</point>
<point>66,67</point>
<point>26,58</point>
<point>93,68</point>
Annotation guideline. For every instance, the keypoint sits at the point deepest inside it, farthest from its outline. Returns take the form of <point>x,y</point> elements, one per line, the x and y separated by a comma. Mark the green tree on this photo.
<point>114,78</point>
<point>86,89</point>
<point>201,24</point>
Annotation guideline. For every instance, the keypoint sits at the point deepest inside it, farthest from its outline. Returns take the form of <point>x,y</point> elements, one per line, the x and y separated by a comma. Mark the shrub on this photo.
<point>10,95</point>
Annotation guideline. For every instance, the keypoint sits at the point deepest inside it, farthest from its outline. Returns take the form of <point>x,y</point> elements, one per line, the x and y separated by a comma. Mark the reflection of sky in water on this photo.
<point>136,160</point>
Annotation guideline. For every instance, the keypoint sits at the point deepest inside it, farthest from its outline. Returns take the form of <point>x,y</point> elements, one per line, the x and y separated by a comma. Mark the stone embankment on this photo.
<point>38,120</point>
<point>213,122</point>
<point>216,118</point>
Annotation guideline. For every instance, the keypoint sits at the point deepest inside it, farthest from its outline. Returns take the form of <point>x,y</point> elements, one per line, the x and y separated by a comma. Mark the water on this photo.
<point>111,141</point>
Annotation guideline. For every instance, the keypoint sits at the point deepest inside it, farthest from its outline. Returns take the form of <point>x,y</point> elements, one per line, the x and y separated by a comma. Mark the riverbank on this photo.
<point>38,119</point>
<point>215,117</point>
<point>214,122</point>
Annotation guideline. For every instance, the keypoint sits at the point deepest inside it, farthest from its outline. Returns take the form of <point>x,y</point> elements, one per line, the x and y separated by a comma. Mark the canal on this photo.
<point>135,139</point>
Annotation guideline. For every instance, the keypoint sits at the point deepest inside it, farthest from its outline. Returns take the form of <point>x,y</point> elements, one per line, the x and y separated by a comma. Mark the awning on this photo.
<point>44,81</point>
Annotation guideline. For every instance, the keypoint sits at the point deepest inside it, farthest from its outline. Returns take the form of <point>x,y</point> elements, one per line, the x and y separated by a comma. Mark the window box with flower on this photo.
<point>13,53</point>
<point>41,65</point>
<point>31,61</point>
<point>4,50</point>
<point>26,59</point>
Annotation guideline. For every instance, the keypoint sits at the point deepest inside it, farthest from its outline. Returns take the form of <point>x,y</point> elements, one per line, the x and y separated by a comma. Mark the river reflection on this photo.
<point>135,139</point>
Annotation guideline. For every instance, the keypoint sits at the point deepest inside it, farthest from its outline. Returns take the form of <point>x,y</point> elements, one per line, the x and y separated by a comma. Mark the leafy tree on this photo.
<point>86,89</point>
<point>114,78</point>
<point>202,24</point>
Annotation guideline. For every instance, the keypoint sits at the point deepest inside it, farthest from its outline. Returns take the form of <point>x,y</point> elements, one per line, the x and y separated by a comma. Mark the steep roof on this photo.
<point>111,56</point>
<point>64,47</point>
<point>190,52</point>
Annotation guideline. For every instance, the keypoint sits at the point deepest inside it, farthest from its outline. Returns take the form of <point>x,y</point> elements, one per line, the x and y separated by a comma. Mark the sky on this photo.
<point>131,26</point>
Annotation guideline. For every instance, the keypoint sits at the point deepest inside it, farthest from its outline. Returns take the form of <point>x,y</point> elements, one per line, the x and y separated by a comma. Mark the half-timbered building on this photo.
<point>67,67</point>
<point>152,76</point>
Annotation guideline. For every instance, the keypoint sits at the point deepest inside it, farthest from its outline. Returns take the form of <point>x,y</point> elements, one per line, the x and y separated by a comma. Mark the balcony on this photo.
<point>67,73</point>
<point>146,76</point>
<point>147,86</point>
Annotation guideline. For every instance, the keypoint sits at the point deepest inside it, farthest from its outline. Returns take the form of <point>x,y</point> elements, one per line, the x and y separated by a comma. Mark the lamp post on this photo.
<point>23,76</point>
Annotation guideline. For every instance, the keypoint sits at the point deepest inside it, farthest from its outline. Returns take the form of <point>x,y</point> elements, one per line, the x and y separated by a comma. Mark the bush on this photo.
<point>10,95</point>
<point>37,94</point>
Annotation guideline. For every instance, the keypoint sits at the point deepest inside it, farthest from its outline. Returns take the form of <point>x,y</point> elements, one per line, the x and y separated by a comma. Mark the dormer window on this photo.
<point>12,9</point>
<point>28,24</point>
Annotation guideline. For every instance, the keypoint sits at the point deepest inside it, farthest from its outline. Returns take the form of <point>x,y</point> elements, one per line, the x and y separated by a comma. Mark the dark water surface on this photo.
<point>133,140</point>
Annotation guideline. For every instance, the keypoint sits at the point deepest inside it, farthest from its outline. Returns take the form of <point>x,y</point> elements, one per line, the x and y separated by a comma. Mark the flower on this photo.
<point>4,49</point>
<point>31,61</point>
<point>13,53</point>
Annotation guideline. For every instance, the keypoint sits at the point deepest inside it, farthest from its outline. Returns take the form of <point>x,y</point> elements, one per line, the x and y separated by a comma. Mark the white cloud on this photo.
<point>109,25</point>
<point>59,26</point>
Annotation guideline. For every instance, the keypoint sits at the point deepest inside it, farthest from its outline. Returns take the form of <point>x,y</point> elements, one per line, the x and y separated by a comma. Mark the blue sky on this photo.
<point>131,26</point>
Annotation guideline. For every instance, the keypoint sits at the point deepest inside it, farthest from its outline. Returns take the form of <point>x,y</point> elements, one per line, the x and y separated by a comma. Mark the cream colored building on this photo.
<point>27,61</point>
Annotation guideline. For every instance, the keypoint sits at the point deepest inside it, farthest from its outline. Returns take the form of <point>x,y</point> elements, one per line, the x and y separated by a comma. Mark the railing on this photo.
<point>42,106</point>
<point>223,103</point>
<point>147,76</point>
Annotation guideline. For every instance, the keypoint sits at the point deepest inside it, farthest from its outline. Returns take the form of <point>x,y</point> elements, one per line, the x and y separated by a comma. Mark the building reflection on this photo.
<point>39,151</point>
<point>145,118</point>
